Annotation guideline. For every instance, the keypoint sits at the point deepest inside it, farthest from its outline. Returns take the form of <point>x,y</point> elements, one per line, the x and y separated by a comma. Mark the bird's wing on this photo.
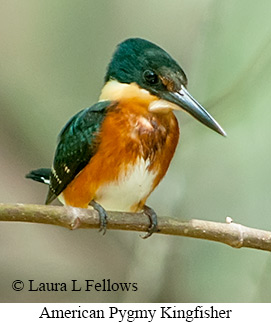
<point>76,145</point>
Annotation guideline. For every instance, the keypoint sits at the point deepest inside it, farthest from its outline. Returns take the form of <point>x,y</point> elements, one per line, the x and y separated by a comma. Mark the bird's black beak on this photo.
<point>183,100</point>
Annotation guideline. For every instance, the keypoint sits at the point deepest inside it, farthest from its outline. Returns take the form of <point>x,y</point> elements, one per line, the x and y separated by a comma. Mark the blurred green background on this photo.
<point>53,57</point>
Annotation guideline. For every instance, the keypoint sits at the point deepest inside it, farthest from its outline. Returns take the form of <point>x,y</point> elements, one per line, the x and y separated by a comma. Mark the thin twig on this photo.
<point>232,234</point>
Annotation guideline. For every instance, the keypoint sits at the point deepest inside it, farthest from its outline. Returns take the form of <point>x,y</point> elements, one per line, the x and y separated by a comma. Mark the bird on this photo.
<point>112,155</point>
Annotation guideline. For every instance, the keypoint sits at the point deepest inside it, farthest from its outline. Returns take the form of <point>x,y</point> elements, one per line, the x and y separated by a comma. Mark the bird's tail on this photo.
<point>41,175</point>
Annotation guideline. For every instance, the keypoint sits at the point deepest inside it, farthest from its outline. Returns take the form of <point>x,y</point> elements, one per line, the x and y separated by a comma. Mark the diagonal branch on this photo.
<point>232,234</point>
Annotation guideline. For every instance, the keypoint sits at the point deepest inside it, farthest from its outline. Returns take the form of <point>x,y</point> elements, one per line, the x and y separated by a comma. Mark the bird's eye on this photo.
<point>150,77</point>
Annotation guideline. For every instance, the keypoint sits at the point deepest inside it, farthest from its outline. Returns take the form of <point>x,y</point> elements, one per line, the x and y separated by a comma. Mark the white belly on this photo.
<point>133,185</point>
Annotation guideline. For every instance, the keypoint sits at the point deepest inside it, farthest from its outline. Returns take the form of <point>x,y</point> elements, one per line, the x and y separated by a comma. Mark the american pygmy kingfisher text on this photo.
<point>112,155</point>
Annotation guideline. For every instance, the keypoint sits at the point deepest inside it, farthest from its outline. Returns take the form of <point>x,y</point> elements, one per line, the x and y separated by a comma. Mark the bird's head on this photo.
<point>151,70</point>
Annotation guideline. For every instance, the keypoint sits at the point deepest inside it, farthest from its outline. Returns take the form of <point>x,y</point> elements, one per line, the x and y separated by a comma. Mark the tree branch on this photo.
<point>232,234</point>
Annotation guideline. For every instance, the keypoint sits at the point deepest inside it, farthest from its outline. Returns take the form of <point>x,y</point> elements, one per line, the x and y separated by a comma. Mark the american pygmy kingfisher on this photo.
<point>112,155</point>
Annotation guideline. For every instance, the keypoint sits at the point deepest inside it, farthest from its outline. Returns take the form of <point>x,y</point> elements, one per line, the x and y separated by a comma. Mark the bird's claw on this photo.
<point>102,214</point>
<point>153,220</point>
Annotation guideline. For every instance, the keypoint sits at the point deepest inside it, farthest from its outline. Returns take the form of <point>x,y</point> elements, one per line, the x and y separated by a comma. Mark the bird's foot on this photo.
<point>153,219</point>
<point>102,214</point>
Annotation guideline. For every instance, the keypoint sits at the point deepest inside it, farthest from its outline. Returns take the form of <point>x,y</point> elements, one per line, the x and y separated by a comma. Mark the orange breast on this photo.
<point>131,141</point>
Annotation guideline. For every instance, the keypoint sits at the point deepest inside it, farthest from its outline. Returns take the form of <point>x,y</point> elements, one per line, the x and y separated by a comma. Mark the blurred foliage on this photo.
<point>53,57</point>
